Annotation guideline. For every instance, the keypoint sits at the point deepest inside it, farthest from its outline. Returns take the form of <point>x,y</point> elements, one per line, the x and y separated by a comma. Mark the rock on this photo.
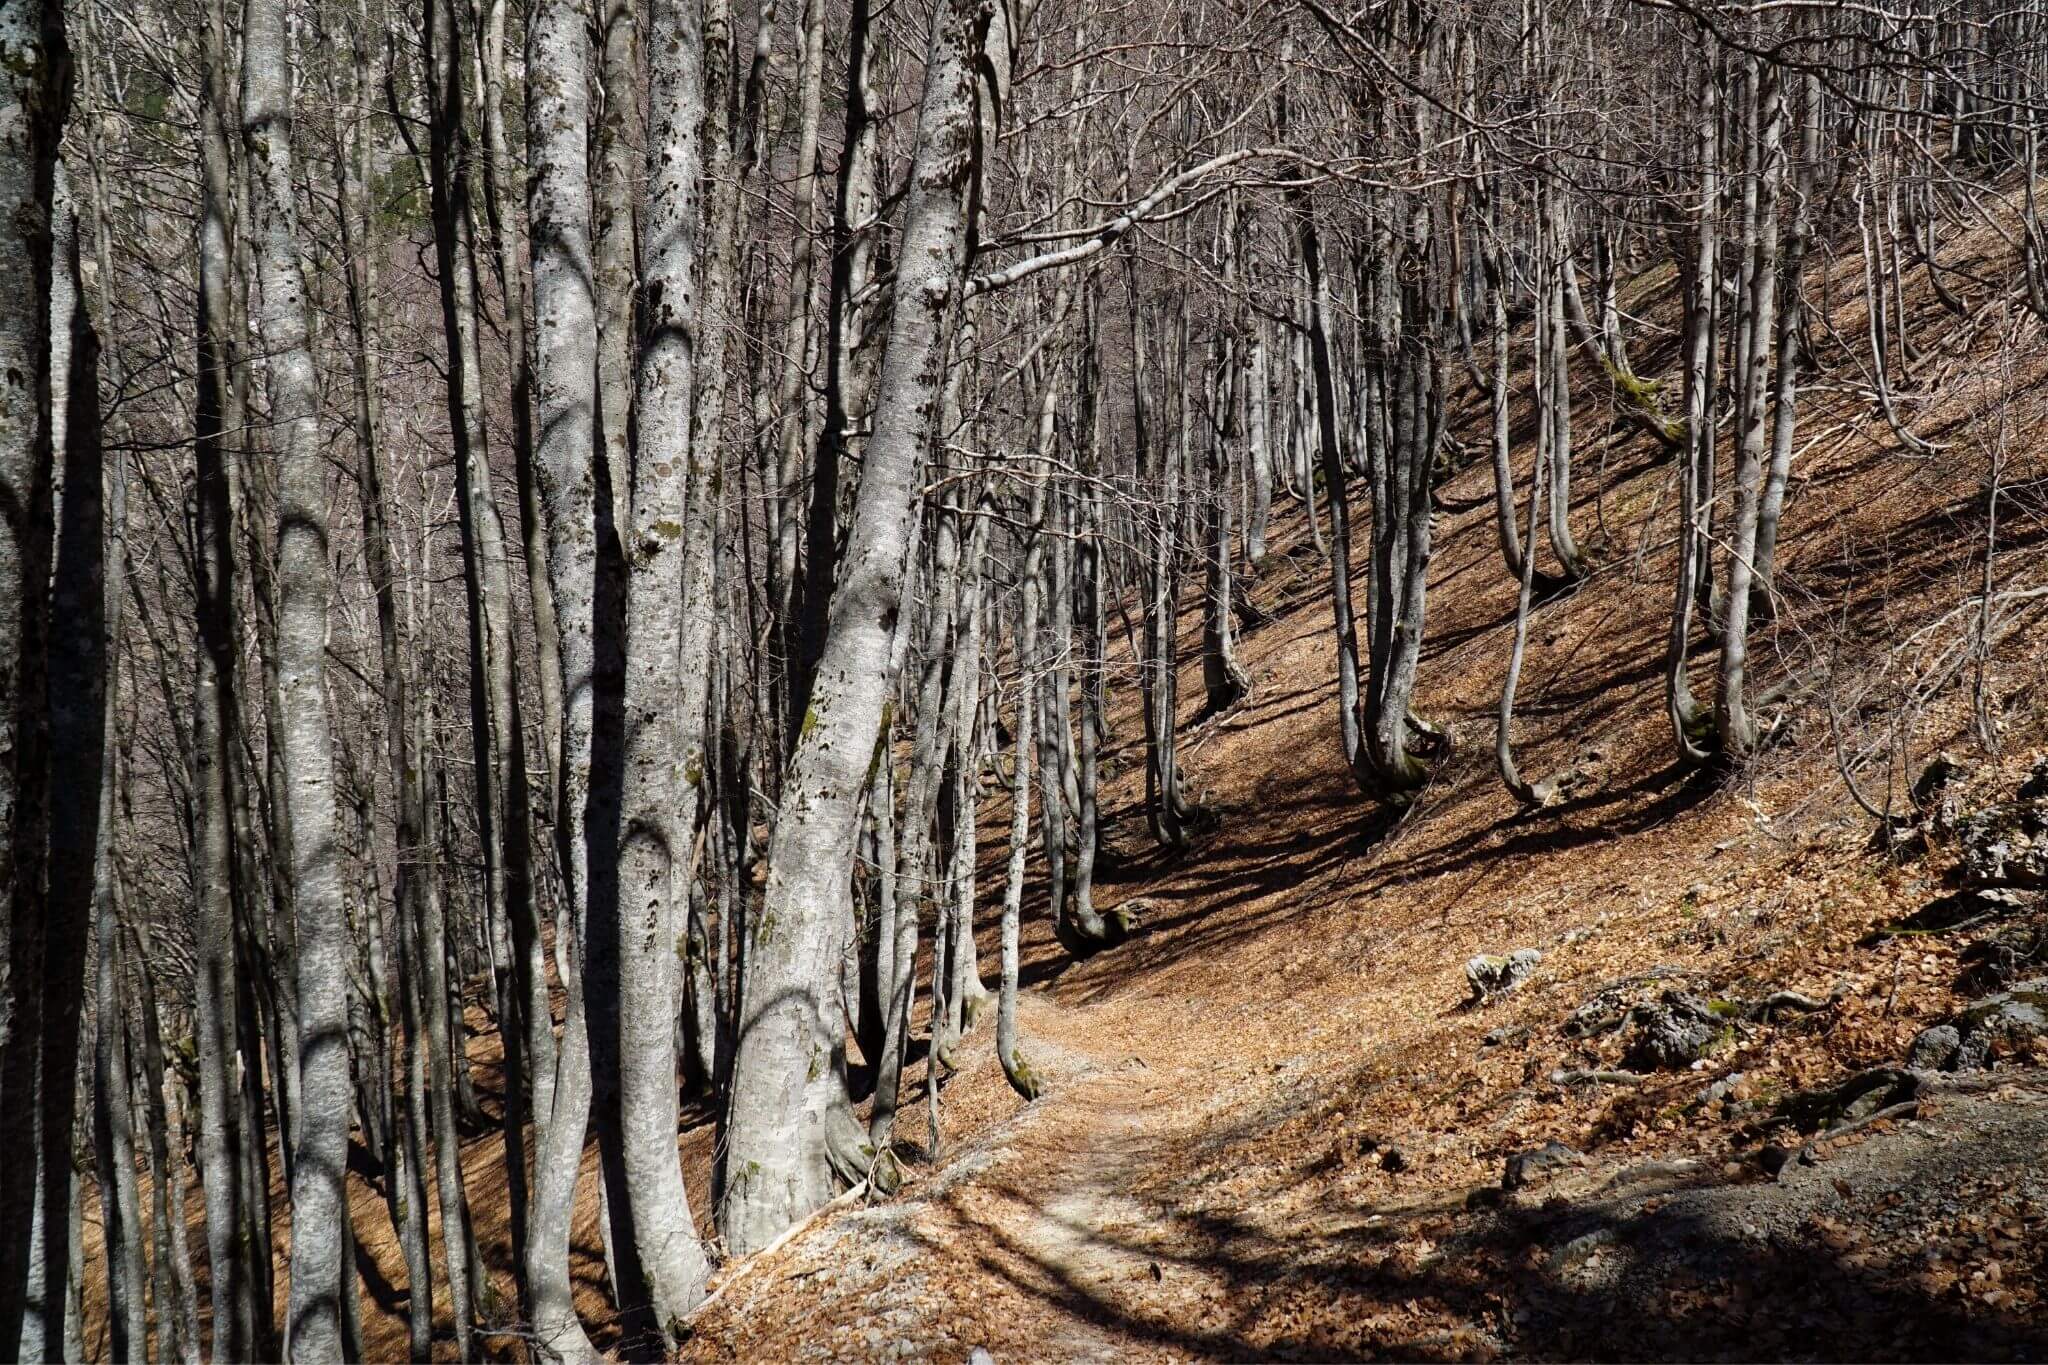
<point>2036,785</point>
<point>1720,1092</point>
<point>980,1356</point>
<point>1490,976</point>
<point>1673,1033</point>
<point>1609,1006</point>
<point>2005,844</point>
<point>1524,1168</point>
<point>1932,1049</point>
<point>2001,957</point>
<point>1994,1024</point>
<point>1977,1037</point>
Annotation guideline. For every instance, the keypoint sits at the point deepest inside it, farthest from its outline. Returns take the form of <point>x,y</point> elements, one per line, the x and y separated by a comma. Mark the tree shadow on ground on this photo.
<point>1658,1273</point>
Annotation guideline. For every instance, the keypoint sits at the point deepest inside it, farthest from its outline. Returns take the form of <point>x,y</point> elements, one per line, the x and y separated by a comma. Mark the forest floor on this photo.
<point>1276,1125</point>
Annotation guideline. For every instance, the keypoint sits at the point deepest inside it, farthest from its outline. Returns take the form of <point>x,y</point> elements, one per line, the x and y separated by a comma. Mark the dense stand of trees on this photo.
<point>528,531</point>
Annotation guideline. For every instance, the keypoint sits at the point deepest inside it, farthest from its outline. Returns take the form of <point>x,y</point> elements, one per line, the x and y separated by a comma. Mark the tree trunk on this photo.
<point>792,1139</point>
<point>319,1202</point>
<point>1022,1078</point>
<point>576,498</point>
<point>634,905</point>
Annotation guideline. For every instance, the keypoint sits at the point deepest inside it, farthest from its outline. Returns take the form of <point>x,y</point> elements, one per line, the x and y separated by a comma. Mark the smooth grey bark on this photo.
<point>782,462</point>
<point>114,1139</point>
<point>1055,633</point>
<point>529,1097</point>
<point>218,1003</point>
<point>1224,679</point>
<point>319,1170</point>
<point>117,1149</point>
<point>175,1296</point>
<point>405,1176</point>
<point>76,718</point>
<point>1791,312</point>
<point>1692,725</point>
<point>34,95</point>
<point>1259,454</point>
<point>1528,793</point>
<point>619,170</point>
<point>497,733</point>
<point>508,241</point>
<point>915,883</point>
<point>1087,924</point>
<point>792,1140</point>
<point>567,472</point>
<point>1158,674</point>
<point>966,996</point>
<point>856,203</point>
<point>636,924</point>
<point>1734,725</point>
<point>1350,706</point>
<point>436,999</point>
<point>1401,541</point>
<point>1016,1069</point>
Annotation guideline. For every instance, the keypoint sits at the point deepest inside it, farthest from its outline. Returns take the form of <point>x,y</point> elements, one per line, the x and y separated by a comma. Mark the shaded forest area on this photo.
<point>648,642</point>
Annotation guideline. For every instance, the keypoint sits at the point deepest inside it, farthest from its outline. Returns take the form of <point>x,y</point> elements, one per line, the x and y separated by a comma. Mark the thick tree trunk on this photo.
<point>34,94</point>
<point>319,1202</point>
<point>635,902</point>
<point>792,1139</point>
<point>573,481</point>
<point>855,204</point>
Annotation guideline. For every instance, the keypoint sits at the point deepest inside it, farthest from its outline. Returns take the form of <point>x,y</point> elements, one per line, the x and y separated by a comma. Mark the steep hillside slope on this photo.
<point>1276,1125</point>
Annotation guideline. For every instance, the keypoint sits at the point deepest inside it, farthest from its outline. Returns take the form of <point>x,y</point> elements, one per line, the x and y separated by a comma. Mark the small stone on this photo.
<point>2036,784</point>
<point>1503,1035</point>
<point>1490,975</point>
<point>1673,1033</point>
<point>1720,1091</point>
<point>2009,1017</point>
<point>1523,1168</point>
<point>1933,1048</point>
